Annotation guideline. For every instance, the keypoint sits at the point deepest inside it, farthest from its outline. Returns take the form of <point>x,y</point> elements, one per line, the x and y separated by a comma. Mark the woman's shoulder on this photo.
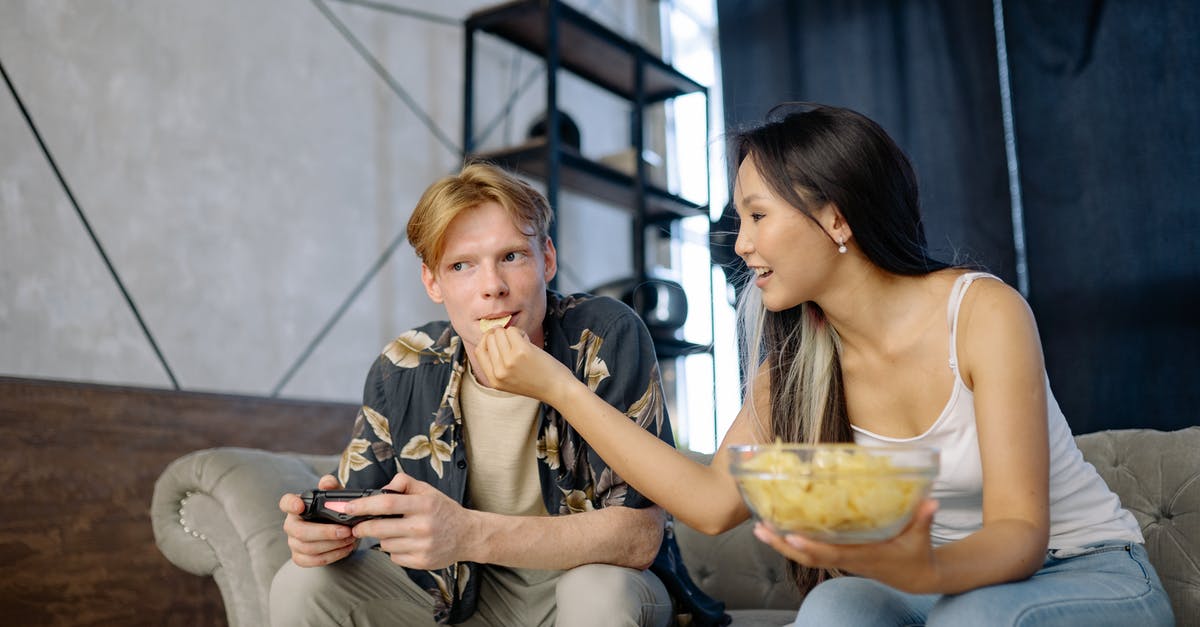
<point>995,322</point>
<point>988,295</point>
<point>973,286</point>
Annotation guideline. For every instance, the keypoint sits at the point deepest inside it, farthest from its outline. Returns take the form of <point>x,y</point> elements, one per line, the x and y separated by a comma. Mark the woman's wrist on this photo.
<point>927,580</point>
<point>563,395</point>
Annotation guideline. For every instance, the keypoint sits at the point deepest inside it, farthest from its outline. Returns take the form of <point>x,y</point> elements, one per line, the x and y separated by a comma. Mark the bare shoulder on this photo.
<point>996,330</point>
<point>995,302</point>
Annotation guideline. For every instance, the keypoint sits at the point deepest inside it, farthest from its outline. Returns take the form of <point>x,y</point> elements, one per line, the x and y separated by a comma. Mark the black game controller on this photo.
<point>316,508</point>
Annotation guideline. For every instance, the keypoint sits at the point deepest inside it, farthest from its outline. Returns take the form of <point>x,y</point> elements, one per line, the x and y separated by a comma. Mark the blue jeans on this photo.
<point>1102,584</point>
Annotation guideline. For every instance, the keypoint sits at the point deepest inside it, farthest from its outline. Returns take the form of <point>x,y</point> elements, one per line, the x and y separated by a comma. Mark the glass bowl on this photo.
<point>835,493</point>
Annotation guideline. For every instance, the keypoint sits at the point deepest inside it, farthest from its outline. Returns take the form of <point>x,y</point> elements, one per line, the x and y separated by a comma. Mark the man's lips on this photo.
<point>492,321</point>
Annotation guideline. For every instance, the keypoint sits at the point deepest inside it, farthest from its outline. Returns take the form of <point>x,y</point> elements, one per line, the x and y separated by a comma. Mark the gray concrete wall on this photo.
<point>244,168</point>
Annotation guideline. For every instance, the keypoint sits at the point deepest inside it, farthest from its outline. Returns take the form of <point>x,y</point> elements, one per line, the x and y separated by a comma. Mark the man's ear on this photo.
<point>550,256</point>
<point>432,288</point>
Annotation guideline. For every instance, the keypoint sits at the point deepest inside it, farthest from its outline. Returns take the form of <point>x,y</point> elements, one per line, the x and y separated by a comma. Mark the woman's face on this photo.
<point>789,253</point>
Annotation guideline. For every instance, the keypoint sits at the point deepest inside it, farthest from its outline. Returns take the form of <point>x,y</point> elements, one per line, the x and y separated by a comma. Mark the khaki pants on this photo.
<point>366,588</point>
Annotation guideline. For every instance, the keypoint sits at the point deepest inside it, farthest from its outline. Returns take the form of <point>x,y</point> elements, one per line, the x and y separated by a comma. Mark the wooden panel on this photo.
<point>77,472</point>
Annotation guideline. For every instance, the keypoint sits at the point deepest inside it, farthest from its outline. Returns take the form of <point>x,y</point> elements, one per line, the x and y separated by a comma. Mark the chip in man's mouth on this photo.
<point>491,323</point>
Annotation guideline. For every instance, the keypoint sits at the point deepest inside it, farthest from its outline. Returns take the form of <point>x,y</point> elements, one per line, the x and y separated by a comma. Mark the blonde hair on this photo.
<point>474,185</point>
<point>802,354</point>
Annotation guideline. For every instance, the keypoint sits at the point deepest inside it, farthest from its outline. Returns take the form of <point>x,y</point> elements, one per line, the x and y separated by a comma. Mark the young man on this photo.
<point>502,515</point>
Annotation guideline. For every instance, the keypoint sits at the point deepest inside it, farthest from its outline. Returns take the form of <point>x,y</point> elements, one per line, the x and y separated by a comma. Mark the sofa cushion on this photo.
<point>1157,476</point>
<point>737,569</point>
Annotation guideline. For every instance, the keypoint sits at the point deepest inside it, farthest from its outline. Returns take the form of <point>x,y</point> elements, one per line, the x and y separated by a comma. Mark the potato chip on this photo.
<point>491,323</point>
<point>833,494</point>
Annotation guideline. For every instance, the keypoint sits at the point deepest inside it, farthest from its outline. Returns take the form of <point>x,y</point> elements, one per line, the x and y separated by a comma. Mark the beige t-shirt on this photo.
<point>501,439</point>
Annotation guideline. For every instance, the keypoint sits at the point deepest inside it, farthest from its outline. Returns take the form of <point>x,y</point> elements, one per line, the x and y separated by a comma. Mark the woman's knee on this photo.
<point>856,601</point>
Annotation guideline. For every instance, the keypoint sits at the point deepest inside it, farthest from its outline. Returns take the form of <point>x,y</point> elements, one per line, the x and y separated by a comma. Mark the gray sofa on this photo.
<point>214,514</point>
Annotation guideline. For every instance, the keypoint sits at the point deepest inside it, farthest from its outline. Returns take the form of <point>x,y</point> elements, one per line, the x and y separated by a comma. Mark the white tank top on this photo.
<point>1083,510</point>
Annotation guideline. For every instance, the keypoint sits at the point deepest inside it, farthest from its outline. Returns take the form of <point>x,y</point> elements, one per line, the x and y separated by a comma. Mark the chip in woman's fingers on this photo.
<point>491,323</point>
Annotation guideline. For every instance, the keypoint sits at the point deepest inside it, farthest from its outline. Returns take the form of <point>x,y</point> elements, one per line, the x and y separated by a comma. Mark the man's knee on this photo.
<point>295,591</point>
<point>364,588</point>
<point>610,595</point>
<point>597,580</point>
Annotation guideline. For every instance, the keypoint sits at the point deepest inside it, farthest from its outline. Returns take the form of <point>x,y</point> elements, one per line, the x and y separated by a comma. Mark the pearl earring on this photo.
<point>842,245</point>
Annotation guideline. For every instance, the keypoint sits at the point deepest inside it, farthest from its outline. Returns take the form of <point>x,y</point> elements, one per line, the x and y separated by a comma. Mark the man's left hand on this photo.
<point>422,529</point>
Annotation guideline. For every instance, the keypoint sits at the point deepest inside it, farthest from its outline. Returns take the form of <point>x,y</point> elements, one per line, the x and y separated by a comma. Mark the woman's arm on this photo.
<point>1000,357</point>
<point>703,497</point>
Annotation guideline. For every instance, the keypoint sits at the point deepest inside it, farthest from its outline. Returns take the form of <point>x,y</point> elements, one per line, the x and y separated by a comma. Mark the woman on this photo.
<point>856,334</point>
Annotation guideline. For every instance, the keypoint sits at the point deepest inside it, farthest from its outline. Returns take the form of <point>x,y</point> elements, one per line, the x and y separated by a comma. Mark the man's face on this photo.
<point>490,269</point>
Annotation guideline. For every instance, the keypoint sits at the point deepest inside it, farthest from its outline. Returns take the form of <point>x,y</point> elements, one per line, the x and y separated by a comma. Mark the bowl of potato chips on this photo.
<point>835,493</point>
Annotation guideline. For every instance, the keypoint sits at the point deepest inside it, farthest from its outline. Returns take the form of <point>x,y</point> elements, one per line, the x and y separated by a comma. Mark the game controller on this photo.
<point>317,505</point>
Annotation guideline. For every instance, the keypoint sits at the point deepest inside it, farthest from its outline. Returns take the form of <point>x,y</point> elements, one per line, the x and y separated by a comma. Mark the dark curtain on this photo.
<point>925,71</point>
<point>1108,142</point>
<point>1106,126</point>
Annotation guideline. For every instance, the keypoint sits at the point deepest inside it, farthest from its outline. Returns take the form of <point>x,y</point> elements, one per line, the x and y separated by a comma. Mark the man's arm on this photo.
<point>433,532</point>
<point>616,535</point>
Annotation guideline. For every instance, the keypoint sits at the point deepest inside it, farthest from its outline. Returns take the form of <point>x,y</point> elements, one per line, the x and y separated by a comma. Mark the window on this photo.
<point>708,390</point>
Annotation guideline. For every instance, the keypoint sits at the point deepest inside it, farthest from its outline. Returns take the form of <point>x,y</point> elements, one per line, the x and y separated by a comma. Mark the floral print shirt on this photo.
<point>411,422</point>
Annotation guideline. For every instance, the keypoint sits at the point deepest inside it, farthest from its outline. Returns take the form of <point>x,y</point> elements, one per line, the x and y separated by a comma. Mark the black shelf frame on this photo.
<point>569,40</point>
<point>594,179</point>
<point>583,47</point>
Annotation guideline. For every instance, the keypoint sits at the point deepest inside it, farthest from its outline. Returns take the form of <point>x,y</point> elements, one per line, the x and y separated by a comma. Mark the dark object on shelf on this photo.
<point>568,130</point>
<point>662,304</point>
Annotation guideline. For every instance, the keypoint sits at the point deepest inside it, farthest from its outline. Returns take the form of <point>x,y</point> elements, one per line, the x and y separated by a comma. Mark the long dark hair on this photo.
<point>811,155</point>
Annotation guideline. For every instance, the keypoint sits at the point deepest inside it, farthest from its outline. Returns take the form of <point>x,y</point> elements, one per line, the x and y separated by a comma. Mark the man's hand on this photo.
<point>425,529</point>
<point>315,544</point>
<point>511,363</point>
<point>904,562</point>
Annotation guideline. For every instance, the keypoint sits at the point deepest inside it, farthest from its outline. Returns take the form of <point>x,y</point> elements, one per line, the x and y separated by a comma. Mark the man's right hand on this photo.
<point>315,544</point>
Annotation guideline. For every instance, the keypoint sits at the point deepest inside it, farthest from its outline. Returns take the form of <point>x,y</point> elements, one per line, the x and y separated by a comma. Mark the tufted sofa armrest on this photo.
<point>1157,476</point>
<point>214,513</point>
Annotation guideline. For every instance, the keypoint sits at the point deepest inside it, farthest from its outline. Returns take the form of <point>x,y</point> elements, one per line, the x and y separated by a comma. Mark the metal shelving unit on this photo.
<point>569,40</point>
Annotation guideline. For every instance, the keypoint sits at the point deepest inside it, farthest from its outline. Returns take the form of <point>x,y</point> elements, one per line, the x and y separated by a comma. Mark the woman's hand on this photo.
<point>511,363</point>
<point>906,562</point>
